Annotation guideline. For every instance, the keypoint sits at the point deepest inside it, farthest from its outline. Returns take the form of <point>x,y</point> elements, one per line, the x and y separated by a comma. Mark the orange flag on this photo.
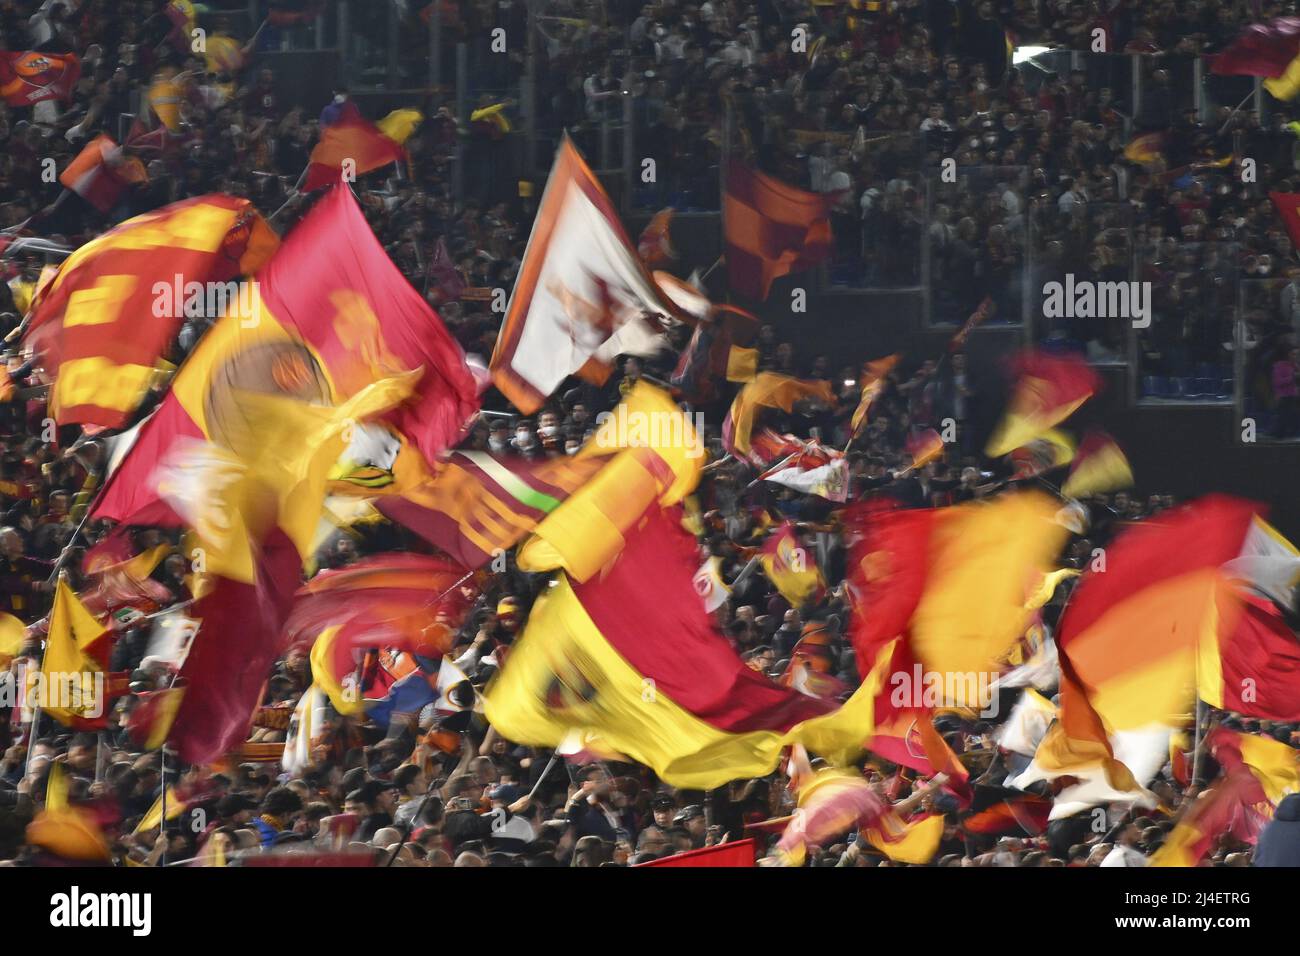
<point>353,140</point>
<point>771,230</point>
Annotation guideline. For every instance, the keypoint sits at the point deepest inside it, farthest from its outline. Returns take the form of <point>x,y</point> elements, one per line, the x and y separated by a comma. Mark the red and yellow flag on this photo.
<point>112,310</point>
<point>791,566</point>
<point>331,315</point>
<point>352,144</point>
<point>1049,389</point>
<point>1099,466</point>
<point>101,173</point>
<point>632,661</point>
<point>30,77</point>
<point>767,390</point>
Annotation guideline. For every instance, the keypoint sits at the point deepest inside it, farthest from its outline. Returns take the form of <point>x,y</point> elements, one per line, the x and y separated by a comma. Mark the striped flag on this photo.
<point>771,230</point>
<point>478,505</point>
<point>790,566</point>
<point>108,316</point>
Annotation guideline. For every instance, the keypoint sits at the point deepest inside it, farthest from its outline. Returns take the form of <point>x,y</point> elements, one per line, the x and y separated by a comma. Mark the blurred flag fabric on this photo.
<point>713,591</point>
<point>655,244</point>
<point>951,581</point>
<point>1269,564</point>
<point>791,566</point>
<point>30,77</point>
<point>410,603</point>
<point>813,470</point>
<point>582,298</point>
<point>13,635</point>
<point>400,125</point>
<point>112,311</point>
<point>1163,579</point>
<point>632,659</point>
<point>1288,208</point>
<point>477,505</point>
<point>1145,149</point>
<point>1261,49</point>
<point>102,172</point>
<point>254,513</point>
<point>224,54</point>
<point>307,723</point>
<point>874,376</point>
<point>64,830</point>
<point>655,460</point>
<point>1257,773</point>
<point>1099,466</point>
<point>812,665</point>
<point>353,139</point>
<point>771,229</point>
<point>73,668</point>
<point>1048,390</point>
<point>767,390</point>
<point>923,447</point>
<point>331,315</point>
<point>1254,668</point>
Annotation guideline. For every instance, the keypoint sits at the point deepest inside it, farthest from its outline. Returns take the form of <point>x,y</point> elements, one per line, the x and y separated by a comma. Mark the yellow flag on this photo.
<point>153,818</point>
<point>72,681</point>
<point>400,124</point>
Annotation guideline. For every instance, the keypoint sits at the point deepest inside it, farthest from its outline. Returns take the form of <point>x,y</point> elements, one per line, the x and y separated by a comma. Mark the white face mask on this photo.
<point>339,98</point>
<point>497,444</point>
<point>546,431</point>
<point>523,439</point>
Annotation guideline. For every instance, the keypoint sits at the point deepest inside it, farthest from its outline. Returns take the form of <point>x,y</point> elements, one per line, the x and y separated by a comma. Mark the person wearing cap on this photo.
<point>663,808</point>
<point>692,819</point>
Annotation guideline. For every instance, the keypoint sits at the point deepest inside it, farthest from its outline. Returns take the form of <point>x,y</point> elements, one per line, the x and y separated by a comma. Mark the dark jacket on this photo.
<point>1279,843</point>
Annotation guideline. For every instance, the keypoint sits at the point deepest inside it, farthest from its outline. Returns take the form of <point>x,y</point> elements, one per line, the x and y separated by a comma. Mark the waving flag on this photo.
<point>1288,208</point>
<point>771,229</point>
<point>874,376</point>
<point>27,78</point>
<point>1120,698</point>
<point>768,390</point>
<point>352,140</point>
<point>102,172</point>
<point>813,470</point>
<point>476,505</point>
<point>655,246</point>
<point>582,297</point>
<point>1254,668</point>
<point>1261,49</point>
<point>790,566</point>
<point>713,591</point>
<point>1099,466</point>
<point>631,659</point>
<point>114,307</point>
<point>1269,564</point>
<point>331,315</point>
<point>655,459</point>
<point>72,670</point>
<point>1049,389</point>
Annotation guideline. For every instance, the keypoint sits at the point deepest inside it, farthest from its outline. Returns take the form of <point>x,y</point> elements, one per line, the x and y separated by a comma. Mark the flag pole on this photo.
<point>1196,752</point>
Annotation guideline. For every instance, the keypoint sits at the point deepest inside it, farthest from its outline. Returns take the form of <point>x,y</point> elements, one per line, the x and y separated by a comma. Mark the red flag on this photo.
<point>31,77</point>
<point>1260,664</point>
<point>771,230</point>
<point>353,140</point>
<point>738,854</point>
<point>1262,49</point>
<point>976,319</point>
<point>443,272</point>
<point>1288,207</point>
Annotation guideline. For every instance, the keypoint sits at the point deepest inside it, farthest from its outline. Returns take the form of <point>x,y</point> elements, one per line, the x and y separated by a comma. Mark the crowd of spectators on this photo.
<point>877,97</point>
